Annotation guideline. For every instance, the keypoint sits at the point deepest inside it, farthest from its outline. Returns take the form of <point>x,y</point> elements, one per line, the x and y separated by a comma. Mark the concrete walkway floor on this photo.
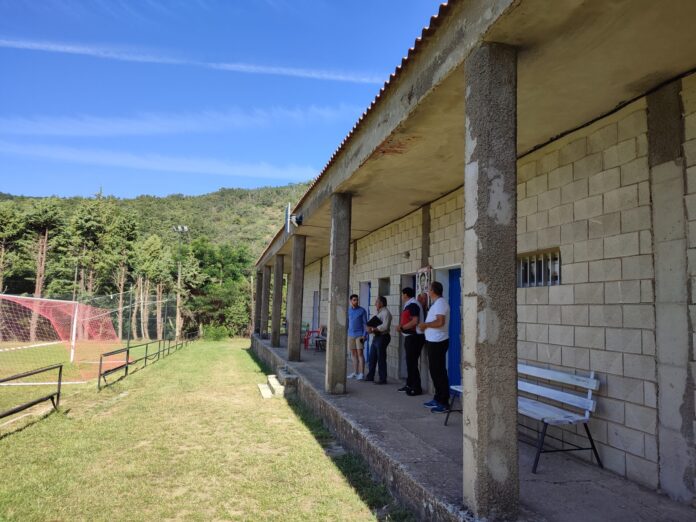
<point>418,446</point>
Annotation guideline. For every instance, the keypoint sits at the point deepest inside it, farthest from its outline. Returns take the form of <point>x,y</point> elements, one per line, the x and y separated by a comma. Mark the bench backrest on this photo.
<point>557,377</point>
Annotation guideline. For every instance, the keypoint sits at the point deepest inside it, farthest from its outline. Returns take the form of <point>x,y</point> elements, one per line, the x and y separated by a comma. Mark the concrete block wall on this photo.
<point>311,285</point>
<point>588,193</point>
<point>324,293</point>
<point>447,230</point>
<point>387,253</point>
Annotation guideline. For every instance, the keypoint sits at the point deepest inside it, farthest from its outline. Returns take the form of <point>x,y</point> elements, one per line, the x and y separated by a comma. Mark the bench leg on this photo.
<point>451,405</point>
<point>540,445</point>
<point>594,449</point>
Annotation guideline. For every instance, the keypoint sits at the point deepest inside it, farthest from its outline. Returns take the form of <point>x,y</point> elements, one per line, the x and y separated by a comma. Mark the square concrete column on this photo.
<point>673,325</point>
<point>295,298</point>
<point>489,289</point>
<point>265,301</point>
<point>277,299</point>
<point>339,273</point>
<point>257,301</point>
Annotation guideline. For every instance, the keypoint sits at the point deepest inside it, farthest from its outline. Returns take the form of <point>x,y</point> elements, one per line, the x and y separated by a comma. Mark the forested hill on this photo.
<point>83,248</point>
<point>229,216</point>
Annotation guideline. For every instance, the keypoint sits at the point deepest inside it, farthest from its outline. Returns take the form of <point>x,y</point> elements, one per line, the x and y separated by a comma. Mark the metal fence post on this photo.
<point>146,349</point>
<point>60,381</point>
<point>130,324</point>
<point>99,376</point>
<point>127,360</point>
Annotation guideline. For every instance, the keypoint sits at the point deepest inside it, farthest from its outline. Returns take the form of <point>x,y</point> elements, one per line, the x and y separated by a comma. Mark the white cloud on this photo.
<point>176,123</point>
<point>158,162</point>
<point>140,57</point>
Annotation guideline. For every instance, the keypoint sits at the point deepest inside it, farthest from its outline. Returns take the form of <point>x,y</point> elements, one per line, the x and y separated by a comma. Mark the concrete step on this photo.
<point>276,388</point>
<point>266,391</point>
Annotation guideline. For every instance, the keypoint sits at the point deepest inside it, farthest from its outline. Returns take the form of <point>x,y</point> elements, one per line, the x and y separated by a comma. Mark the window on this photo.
<point>539,269</point>
<point>384,286</point>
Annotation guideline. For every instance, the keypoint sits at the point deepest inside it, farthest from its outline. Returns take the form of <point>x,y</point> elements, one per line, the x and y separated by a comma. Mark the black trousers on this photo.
<point>413,344</point>
<point>378,357</point>
<point>437,357</point>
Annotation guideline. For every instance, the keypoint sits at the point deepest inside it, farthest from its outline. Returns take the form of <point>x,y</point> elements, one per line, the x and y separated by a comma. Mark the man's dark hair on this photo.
<point>354,295</point>
<point>408,291</point>
<point>436,286</point>
<point>382,300</point>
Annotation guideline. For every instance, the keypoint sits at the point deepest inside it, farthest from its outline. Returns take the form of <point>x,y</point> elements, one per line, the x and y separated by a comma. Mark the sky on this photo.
<point>187,96</point>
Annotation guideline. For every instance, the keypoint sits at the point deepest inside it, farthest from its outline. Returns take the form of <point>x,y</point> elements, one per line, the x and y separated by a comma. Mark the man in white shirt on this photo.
<point>436,329</point>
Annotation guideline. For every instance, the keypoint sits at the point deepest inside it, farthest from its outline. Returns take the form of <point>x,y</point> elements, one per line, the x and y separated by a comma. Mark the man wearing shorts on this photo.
<point>357,329</point>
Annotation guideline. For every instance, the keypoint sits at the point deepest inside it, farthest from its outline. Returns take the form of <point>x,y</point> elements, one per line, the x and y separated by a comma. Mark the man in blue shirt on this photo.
<point>357,329</point>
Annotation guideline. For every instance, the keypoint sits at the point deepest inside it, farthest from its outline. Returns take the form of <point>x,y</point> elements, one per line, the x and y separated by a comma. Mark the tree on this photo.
<point>12,223</point>
<point>118,242</point>
<point>154,264</point>
<point>43,218</point>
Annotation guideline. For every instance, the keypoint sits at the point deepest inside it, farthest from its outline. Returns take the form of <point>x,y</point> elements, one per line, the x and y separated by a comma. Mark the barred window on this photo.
<point>539,269</point>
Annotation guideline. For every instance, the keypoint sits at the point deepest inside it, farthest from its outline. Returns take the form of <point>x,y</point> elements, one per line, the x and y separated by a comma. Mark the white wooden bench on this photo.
<point>549,414</point>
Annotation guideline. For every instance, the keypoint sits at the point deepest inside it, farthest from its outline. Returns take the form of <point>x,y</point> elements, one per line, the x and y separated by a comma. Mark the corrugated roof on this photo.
<point>435,22</point>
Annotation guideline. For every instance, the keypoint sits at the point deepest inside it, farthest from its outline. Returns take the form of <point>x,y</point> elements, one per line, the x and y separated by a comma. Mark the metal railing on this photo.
<point>163,349</point>
<point>53,397</point>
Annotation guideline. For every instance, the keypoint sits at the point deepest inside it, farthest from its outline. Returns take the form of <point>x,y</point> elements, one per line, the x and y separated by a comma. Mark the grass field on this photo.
<point>188,438</point>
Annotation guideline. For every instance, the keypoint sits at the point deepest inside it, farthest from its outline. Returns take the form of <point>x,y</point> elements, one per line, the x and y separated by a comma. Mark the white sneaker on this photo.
<point>352,375</point>
<point>359,377</point>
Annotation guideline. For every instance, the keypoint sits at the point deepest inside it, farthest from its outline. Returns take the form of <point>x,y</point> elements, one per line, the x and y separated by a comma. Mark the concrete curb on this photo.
<point>425,504</point>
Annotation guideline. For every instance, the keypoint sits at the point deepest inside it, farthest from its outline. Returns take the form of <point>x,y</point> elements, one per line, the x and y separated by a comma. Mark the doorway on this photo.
<point>454,352</point>
<point>315,310</point>
<point>364,296</point>
<point>406,280</point>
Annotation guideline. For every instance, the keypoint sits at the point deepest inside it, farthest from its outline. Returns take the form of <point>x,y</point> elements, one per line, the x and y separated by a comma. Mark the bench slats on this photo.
<point>547,413</point>
<point>553,375</point>
<point>557,395</point>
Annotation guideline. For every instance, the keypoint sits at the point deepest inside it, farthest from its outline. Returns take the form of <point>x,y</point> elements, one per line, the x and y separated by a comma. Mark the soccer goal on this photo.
<point>36,332</point>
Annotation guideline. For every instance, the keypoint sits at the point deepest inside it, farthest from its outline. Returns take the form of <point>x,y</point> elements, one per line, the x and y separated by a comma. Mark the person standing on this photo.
<point>357,329</point>
<point>380,340</point>
<point>411,316</point>
<point>436,329</point>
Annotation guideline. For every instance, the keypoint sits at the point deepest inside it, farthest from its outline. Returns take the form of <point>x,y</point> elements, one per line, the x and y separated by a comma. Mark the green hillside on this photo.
<point>82,248</point>
<point>250,216</point>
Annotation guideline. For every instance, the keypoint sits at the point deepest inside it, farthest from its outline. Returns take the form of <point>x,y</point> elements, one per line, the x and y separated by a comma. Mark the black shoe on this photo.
<point>380,382</point>
<point>368,380</point>
<point>412,393</point>
<point>404,389</point>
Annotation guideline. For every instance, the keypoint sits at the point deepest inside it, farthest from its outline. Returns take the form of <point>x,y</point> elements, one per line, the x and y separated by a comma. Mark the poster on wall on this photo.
<point>423,281</point>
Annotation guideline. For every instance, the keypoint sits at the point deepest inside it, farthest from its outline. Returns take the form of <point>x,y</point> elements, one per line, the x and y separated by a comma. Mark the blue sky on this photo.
<point>187,96</point>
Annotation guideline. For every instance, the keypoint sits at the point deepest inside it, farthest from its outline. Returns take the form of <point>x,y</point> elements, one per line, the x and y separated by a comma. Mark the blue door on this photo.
<point>454,352</point>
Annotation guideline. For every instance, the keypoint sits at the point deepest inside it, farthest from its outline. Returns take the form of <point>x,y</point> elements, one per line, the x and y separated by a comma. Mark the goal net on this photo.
<point>36,332</point>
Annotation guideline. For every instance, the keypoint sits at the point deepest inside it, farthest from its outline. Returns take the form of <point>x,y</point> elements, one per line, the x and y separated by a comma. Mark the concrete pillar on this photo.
<point>257,302</point>
<point>425,261</point>
<point>675,394</point>
<point>489,293</point>
<point>277,299</point>
<point>339,274</point>
<point>265,300</point>
<point>295,298</point>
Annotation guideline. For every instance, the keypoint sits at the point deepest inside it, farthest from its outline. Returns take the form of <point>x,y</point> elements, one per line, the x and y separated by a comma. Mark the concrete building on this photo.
<point>520,139</point>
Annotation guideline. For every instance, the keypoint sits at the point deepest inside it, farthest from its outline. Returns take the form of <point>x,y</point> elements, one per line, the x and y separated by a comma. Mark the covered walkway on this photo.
<point>416,455</point>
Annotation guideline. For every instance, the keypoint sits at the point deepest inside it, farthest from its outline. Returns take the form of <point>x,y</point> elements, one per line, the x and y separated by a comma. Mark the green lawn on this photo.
<point>188,438</point>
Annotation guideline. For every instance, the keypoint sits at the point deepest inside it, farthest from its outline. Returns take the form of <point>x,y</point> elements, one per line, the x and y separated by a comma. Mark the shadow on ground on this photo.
<point>372,492</point>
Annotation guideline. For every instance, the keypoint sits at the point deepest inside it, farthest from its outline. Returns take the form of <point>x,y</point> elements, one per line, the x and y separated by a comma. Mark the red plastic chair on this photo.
<point>308,337</point>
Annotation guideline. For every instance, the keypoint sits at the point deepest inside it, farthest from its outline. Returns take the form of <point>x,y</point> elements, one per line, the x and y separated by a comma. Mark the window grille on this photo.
<point>539,269</point>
